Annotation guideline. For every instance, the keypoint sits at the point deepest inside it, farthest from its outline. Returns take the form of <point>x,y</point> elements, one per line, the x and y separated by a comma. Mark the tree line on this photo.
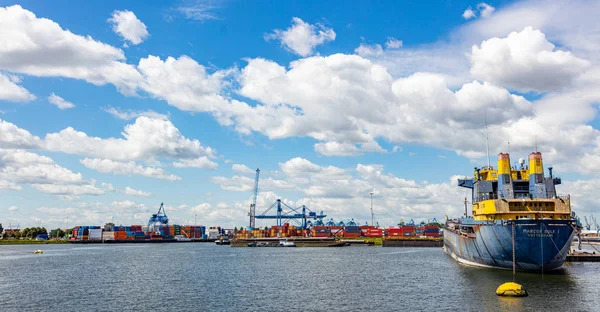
<point>33,232</point>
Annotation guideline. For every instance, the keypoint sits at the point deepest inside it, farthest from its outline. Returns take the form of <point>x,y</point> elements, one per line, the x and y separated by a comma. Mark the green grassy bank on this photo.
<point>30,242</point>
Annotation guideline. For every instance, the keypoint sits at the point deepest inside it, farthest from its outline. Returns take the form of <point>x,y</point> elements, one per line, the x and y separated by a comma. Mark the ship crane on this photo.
<point>588,226</point>
<point>284,213</point>
<point>158,220</point>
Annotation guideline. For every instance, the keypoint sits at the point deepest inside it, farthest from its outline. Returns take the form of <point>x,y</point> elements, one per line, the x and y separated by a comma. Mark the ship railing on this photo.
<point>486,196</point>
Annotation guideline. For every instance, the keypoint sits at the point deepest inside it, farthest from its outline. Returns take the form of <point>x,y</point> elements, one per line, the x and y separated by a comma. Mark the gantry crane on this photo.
<point>158,220</point>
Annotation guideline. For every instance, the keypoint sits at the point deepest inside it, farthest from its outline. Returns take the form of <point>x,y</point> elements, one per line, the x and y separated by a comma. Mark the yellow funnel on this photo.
<point>503,163</point>
<point>535,163</point>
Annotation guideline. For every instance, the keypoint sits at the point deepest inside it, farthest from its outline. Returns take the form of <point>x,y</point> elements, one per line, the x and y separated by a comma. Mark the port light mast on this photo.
<point>372,215</point>
<point>252,213</point>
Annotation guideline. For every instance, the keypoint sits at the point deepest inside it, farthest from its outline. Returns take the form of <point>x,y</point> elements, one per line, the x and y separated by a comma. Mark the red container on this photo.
<point>352,235</point>
<point>374,233</point>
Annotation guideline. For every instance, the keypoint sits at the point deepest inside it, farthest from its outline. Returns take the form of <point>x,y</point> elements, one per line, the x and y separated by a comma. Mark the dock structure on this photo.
<point>412,242</point>
<point>583,257</point>
<point>298,241</point>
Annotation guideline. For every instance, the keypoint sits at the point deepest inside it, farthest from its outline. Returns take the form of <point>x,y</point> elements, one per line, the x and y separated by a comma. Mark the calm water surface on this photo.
<point>206,277</point>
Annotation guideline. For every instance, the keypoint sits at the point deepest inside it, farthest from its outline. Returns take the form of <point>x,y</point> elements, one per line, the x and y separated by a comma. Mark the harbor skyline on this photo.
<point>110,109</point>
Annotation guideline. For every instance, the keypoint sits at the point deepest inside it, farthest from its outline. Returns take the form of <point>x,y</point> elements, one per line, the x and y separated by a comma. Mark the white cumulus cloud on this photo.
<point>11,91</point>
<point>147,138</point>
<point>368,50</point>
<point>127,25</point>
<point>60,102</point>
<point>468,13</point>
<point>393,43</point>
<point>131,191</point>
<point>302,38</point>
<point>40,47</point>
<point>525,61</point>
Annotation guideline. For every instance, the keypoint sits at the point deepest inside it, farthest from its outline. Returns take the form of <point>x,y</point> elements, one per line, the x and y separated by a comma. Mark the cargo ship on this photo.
<point>513,206</point>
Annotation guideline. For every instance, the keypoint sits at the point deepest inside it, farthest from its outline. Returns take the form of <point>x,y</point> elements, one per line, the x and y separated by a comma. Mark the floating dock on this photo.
<point>413,242</point>
<point>299,242</point>
<point>582,256</point>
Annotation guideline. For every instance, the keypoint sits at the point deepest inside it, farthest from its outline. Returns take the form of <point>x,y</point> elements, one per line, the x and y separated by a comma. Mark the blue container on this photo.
<point>352,229</point>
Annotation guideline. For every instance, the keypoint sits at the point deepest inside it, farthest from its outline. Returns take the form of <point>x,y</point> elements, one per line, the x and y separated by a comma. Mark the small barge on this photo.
<point>298,242</point>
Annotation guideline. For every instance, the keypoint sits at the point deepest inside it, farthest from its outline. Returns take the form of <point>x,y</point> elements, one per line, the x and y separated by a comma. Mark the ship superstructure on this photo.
<point>507,199</point>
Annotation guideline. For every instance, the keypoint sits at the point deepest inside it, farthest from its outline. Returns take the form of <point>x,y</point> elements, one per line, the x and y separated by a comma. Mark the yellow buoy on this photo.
<point>38,252</point>
<point>511,289</point>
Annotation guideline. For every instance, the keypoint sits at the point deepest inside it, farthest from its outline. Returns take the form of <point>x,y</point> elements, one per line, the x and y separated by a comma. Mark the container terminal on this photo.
<point>300,226</point>
<point>293,226</point>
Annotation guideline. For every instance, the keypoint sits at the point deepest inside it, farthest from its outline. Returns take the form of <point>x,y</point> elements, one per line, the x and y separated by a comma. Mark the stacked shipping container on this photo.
<point>86,232</point>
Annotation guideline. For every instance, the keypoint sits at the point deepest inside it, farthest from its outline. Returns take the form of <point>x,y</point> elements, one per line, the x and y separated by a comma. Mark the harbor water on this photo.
<point>206,277</point>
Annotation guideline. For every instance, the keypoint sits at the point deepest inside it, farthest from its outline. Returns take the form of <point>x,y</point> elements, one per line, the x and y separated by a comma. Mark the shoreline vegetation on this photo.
<point>32,241</point>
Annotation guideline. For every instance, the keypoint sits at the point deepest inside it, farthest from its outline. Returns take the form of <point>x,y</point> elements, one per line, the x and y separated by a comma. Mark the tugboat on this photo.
<point>222,241</point>
<point>286,243</point>
<point>513,205</point>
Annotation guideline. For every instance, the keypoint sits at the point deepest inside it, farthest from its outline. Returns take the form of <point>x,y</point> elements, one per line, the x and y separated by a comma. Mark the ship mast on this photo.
<point>487,140</point>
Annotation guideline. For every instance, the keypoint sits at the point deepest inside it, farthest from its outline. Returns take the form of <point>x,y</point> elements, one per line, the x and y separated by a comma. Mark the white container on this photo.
<point>213,234</point>
<point>95,234</point>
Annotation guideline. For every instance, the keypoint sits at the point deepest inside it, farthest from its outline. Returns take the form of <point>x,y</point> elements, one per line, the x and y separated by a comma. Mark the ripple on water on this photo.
<point>185,277</point>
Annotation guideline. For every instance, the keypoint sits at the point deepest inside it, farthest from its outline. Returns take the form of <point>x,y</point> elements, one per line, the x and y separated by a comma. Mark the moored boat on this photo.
<point>513,205</point>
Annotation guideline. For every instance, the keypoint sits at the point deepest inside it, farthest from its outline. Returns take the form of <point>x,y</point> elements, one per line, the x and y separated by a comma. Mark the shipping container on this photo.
<point>352,229</point>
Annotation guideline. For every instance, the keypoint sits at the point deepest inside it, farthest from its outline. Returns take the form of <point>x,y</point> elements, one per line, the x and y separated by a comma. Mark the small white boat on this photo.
<point>181,238</point>
<point>285,243</point>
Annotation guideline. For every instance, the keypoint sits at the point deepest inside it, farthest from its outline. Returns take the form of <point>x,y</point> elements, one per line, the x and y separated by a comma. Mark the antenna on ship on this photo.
<point>466,202</point>
<point>487,140</point>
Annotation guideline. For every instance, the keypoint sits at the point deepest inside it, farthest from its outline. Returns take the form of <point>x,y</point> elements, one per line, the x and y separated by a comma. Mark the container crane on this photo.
<point>351,223</point>
<point>588,226</point>
<point>158,220</point>
<point>300,215</point>
<point>252,212</point>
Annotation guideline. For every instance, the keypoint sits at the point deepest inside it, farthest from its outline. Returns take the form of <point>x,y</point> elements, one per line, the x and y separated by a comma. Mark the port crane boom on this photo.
<point>284,213</point>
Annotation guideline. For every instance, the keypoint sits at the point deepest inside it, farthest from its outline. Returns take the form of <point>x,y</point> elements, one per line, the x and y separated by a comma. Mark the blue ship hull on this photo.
<point>540,245</point>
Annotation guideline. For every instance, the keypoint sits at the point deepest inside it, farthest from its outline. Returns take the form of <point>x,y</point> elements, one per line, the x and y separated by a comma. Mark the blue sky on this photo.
<point>331,100</point>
